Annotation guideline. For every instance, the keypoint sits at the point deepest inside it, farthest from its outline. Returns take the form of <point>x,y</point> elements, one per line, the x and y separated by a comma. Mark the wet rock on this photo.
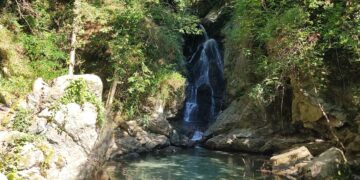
<point>130,137</point>
<point>290,162</point>
<point>179,139</point>
<point>127,157</point>
<point>157,141</point>
<point>169,150</point>
<point>299,163</point>
<point>246,139</point>
<point>233,142</point>
<point>160,126</point>
<point>329,164</point>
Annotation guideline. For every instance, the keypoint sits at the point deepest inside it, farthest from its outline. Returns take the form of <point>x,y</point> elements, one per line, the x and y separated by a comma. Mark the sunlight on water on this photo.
<point>190,164</point>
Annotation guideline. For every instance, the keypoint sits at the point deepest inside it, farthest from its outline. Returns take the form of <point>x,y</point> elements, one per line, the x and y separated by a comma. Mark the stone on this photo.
<point>70,132</point>
<point>71,156</point>
<point>60,84</point>
<point>354,146</point>
<point>39,126</point>
<point>157,141</point>
<point>290,162</point>
<point>46,113</point>
<point>247,139</point>
<point>79,123</point>
<point>168,150</point>
<point>40,90</point>
<point>160,126</point>
<point>304,108</point>
<point>3,177</point>
<point>177,139</point>
<point>280,143</point>
<point>327,165</point>
<point>130,156</point>
<point>30,157</point>
<point>131,138</point>
<point>232,142</point>
<point>241,114</point>
<point>33,173</point>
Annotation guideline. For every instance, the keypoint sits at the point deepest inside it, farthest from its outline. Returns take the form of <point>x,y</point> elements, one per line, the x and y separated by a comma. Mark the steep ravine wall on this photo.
<point>296,116</point>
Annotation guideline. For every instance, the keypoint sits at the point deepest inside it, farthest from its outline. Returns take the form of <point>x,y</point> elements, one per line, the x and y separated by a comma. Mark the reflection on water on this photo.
<point>197,163</point>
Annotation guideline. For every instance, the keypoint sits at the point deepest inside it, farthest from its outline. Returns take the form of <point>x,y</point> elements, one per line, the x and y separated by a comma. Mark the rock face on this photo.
<point>247,126</point>
<point>131,138</point>
<point>69,131</point>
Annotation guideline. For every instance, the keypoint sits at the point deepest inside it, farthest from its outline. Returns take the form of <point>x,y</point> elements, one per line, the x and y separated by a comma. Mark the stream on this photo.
<point>194,163</point>
<point>204,98</point>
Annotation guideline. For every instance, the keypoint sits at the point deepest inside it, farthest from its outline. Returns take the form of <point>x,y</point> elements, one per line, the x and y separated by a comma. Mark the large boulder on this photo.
<point>79,123</point>
<point>241,114</point>
<point>246,125</point>
<point>290,162</point>
<point>132,138</point>
<point>160,126</point>
<point>238,139</point>
<point>70,131</point>
<point>330,163</point>
<point>299,163</point>
<point>93,82</point>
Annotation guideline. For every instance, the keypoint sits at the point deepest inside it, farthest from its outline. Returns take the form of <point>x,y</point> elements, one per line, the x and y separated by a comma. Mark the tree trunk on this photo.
<point>112,91</point>
<point>75,25</point>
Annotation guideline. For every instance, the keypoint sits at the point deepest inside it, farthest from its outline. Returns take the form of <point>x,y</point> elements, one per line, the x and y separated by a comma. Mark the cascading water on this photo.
<point>205,82</point>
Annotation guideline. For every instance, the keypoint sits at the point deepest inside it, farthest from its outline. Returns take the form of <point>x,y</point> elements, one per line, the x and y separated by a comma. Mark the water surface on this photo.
<point>195,163</point>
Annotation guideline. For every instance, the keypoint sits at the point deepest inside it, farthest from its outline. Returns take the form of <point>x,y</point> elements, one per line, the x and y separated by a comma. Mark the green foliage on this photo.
<point>286,39</point>
<point>22,120</point>
<point>147,46</point>
<point>45,55</point>
<point>77,92</point>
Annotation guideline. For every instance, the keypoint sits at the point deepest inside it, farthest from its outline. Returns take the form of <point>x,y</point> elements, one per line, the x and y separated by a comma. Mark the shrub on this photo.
<point>22,120</point>
<point>77,92</point>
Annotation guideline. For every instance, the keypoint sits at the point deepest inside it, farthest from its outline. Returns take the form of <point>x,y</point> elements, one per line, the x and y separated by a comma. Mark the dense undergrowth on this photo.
<point>313,43</point>
<point>138,42</point>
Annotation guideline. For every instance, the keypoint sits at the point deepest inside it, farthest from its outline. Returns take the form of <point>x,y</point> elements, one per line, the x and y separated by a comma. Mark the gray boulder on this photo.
<point>79,123</point>
<point>329,164</point>
<point>160,126</point>
<point>290,162</point>
<point>93,82</point>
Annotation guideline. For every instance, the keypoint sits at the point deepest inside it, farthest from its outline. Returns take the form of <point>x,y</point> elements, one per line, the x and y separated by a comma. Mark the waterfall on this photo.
<point>205,82</point>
